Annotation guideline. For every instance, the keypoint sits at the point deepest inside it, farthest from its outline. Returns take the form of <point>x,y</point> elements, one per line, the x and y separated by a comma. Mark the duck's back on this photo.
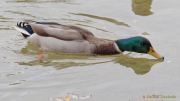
<point>59,31</point>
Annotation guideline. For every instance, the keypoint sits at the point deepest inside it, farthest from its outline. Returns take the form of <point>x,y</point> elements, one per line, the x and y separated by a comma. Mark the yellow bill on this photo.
<point>155,54</point>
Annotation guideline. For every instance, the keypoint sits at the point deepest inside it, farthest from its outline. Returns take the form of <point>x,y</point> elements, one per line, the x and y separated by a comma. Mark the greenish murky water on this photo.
<point>142,7</point>
<point>127,77</point>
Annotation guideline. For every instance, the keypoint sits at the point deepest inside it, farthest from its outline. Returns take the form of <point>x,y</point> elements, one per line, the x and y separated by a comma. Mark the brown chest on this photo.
<point>105,47</point>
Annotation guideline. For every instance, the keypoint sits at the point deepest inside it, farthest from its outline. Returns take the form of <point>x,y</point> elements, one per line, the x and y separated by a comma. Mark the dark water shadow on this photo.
<point>142,7</point>
<point>84,23</point>
<point>74,20</point>
<point>140,66</point>
<point>111,20</point>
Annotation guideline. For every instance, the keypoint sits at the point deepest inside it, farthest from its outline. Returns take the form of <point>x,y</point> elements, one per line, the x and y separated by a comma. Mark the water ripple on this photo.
<point>114,21</point>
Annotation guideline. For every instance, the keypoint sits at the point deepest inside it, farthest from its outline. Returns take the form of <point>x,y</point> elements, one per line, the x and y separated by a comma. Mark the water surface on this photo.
<point>128,77</point>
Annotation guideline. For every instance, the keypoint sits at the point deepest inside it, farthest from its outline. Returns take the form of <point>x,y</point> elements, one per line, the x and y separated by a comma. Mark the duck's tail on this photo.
<point>24,28</point>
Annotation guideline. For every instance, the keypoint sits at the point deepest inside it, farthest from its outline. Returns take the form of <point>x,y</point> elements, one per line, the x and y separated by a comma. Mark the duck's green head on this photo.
<point>137,44</point>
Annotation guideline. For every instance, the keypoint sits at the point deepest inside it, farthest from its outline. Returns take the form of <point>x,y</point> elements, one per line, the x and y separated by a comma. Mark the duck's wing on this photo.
<point>63,32</point>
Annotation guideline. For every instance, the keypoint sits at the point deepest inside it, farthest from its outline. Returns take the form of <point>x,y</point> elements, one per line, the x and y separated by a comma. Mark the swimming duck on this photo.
<point>50,36</point>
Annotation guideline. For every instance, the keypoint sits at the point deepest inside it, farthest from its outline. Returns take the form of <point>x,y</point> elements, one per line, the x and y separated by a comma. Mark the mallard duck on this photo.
<point>50,36</point>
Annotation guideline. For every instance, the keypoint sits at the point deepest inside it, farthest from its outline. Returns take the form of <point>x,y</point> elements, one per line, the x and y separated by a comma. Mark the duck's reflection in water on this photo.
<point>142,7</point>
<point>59,60</point>
<point>139,65</point>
